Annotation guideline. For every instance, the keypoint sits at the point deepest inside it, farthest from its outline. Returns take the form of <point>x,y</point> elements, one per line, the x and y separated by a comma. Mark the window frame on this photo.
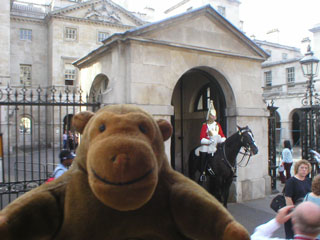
<point>284,56</point>
<point>68,76</point>
<point>268,78</point>
<point>290,75</point>
<point>101,32</point>
<point>65,33</point>
<point>26,76</point>
<point>25,34</point>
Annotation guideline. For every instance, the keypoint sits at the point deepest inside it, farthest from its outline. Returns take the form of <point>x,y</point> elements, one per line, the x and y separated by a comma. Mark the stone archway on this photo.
<point>190,97</point>
<point>98,88</point>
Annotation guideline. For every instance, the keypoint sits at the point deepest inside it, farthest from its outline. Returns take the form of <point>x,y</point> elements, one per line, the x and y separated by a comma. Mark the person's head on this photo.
<point>316,185</point>
<point>302,168</point>
<point>66,157</point>
<point>287,144</point>
<point>306,219</point>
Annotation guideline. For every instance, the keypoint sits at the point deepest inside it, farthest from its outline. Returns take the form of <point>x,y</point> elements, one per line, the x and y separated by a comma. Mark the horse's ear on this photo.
<point>239,128</point>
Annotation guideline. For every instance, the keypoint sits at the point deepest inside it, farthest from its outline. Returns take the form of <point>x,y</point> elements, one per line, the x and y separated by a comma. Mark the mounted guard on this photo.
<point>211,134</point>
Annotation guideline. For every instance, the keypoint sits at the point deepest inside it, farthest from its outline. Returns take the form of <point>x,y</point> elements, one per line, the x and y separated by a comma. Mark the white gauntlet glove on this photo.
<point>205,141</point>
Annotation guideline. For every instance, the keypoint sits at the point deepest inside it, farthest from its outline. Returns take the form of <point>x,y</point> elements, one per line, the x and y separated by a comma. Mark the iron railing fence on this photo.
<point>32,122</point>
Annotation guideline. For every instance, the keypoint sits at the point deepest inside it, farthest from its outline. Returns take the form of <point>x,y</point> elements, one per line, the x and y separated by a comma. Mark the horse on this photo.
<point>221,167</point>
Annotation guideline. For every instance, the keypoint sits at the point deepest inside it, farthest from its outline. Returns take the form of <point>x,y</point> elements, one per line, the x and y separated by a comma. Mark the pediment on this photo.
<point>203,28</point>
<point>99,10</point>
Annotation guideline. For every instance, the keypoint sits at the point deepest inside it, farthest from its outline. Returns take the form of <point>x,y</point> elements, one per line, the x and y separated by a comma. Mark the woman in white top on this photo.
<point>287,158</point>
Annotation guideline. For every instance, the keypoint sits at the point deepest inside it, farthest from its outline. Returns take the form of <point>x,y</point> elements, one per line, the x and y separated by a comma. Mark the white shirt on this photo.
<point>265,231</point>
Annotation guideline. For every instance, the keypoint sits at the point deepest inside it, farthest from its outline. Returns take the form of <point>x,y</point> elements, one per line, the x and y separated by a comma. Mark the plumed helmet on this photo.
<point>212,110</point>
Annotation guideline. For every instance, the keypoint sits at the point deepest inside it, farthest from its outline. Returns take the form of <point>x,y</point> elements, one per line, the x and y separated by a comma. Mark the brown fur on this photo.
<point>120,187</point>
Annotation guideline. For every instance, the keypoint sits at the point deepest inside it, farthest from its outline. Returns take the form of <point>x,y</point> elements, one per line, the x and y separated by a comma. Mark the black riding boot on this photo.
<point>203,162</point>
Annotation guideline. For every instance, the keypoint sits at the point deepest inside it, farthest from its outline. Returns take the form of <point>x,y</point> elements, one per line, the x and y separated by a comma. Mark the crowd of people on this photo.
<point>301,215</point>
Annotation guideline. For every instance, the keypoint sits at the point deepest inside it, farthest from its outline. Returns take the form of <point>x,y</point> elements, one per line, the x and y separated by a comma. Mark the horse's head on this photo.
<point>247,140</point>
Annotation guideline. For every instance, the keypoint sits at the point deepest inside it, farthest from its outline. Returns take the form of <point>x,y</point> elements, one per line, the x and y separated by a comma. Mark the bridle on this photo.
<point>246,147</point>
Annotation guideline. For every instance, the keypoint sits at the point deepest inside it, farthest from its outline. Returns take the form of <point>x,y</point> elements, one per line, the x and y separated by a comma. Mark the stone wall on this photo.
<point>5,43</point>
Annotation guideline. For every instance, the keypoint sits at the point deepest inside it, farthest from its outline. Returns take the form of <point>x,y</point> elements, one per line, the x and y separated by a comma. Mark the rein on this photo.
<point>226,159</point>
<point>246,152</point>
<point>244,155</point>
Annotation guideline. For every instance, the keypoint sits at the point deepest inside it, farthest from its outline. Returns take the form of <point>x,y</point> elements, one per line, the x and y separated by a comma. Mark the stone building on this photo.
<point>285,86</point>
<point>39,44</point>
<point>172,67</point>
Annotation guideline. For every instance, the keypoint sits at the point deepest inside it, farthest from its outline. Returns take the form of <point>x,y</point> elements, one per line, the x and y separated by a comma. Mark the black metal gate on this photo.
<point>272,151</point>
<point>32,122</point>
<point>310,133</point>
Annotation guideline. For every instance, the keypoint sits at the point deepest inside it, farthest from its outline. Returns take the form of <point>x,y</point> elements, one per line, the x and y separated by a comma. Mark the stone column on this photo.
<point>5,43</point>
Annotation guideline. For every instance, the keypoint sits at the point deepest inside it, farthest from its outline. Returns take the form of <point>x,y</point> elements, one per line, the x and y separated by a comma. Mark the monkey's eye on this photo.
<point>102,128</point>
<point>143,129</point>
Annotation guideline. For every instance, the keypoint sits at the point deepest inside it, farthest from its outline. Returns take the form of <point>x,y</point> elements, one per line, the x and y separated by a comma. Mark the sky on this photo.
<point>293,18</point>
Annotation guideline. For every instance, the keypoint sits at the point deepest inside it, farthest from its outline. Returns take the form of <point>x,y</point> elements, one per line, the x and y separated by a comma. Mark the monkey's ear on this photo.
<point>80,120</point>
<point>165,128</point>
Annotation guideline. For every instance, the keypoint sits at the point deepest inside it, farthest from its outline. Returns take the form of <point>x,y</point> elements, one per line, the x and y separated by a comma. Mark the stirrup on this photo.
<point>211,171</point>
<point>203,178</point>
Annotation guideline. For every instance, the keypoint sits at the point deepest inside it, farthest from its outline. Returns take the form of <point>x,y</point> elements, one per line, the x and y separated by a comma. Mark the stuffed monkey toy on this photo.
<point>120,187</point>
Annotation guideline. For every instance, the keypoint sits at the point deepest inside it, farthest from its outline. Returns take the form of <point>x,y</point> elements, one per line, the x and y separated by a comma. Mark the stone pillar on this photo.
<point>5,42</point>
<point>253,181</point>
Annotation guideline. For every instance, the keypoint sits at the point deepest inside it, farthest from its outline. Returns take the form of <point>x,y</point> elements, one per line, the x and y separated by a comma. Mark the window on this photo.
<point>206,93</point>
<point>290,75</point>
<point>284,56</point>
<point>25,74</point>
<point>102,36</point>
<point>69,74</point>
<point>222,10</point>
<point>204,99</point>
<point>25,125</point>
<point>268,78</point>
<point>25,34</point>
<point>70,33</point>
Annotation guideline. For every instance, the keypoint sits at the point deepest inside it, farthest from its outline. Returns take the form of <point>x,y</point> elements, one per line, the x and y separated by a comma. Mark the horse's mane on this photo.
<point>232,138</point>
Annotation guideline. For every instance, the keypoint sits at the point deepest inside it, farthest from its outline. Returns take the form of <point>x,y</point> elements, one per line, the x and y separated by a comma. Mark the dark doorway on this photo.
<point>296,129</point>
<point>191,98</point>
<point>67,122</point>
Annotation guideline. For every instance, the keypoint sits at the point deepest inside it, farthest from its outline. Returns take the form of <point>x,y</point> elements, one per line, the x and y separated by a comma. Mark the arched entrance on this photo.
<point>296,128</point>
<point>67,120</point>
<point>98,88</point>
<point>191,98</point>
